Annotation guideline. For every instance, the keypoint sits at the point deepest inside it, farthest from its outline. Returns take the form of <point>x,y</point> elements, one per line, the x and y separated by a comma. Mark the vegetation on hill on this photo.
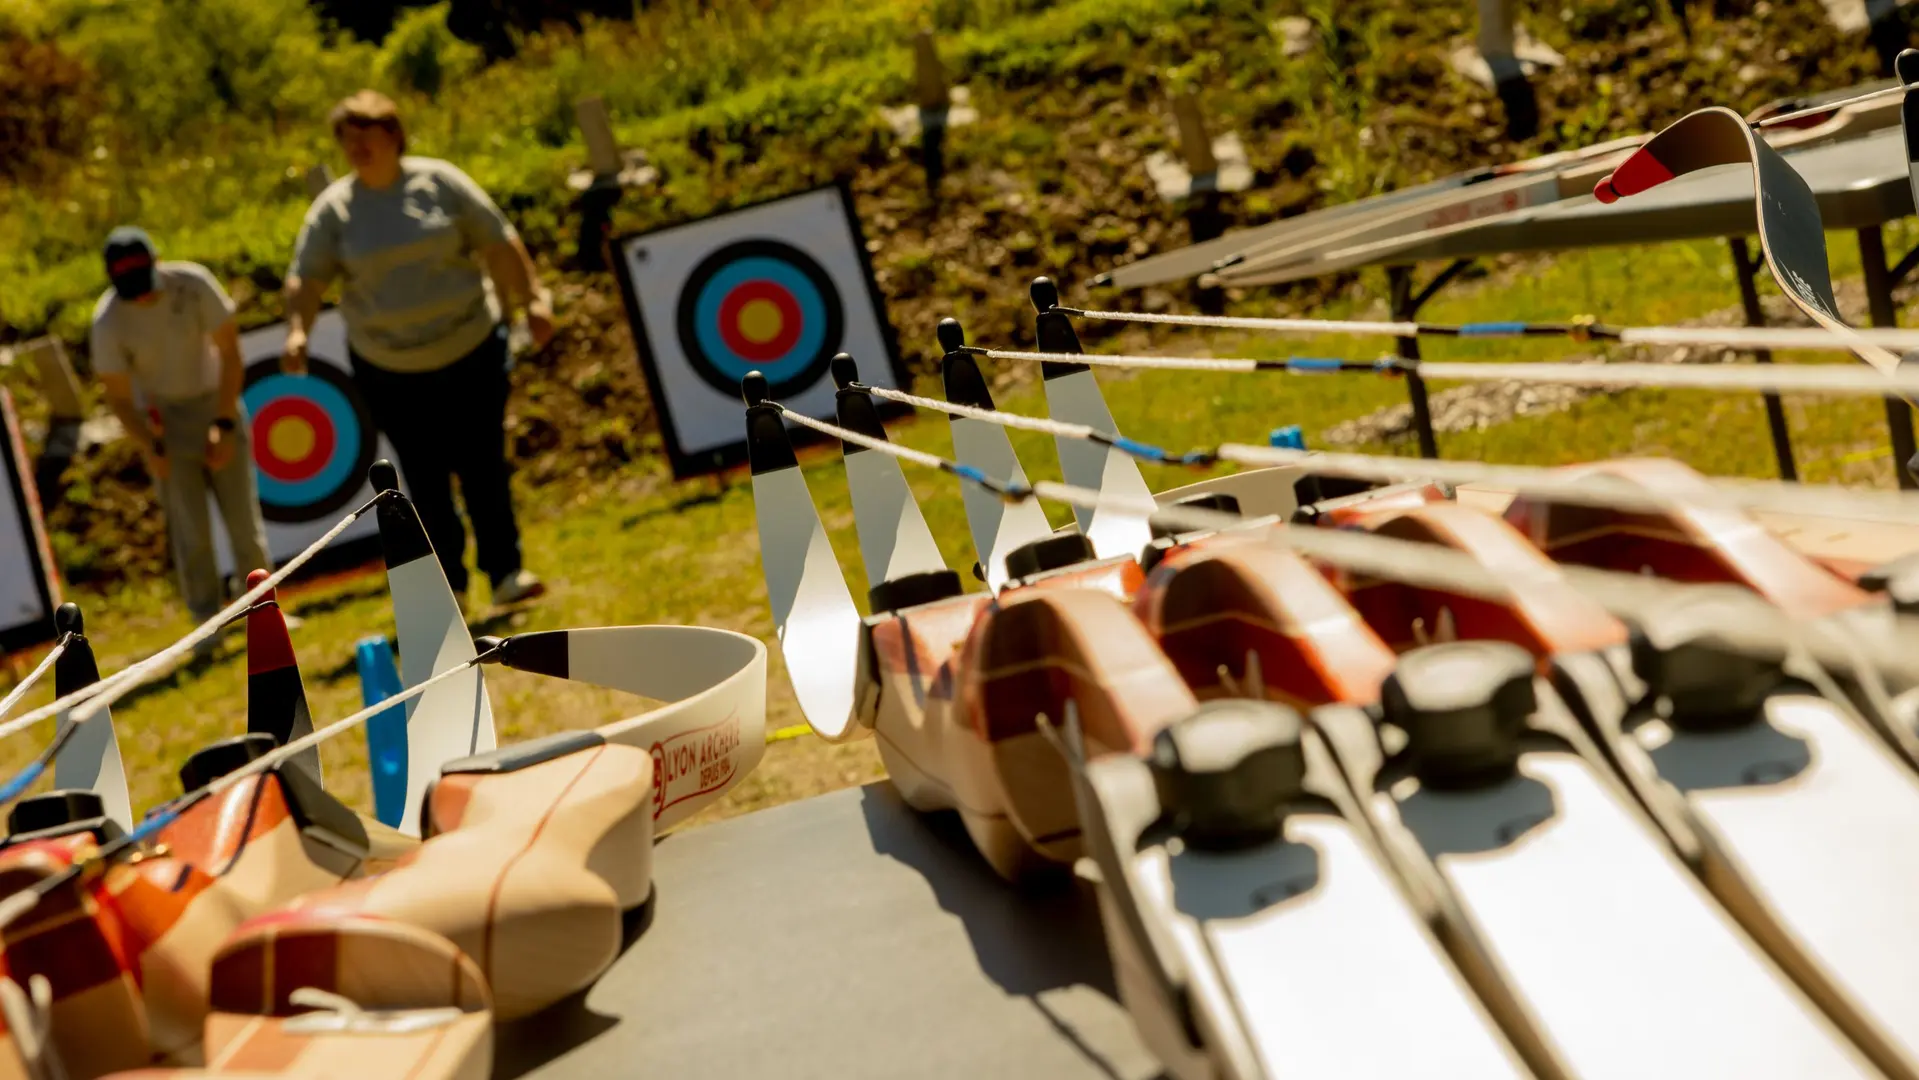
<point>199,119</point>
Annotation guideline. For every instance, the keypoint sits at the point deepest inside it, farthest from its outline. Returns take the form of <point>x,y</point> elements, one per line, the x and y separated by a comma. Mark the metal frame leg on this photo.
<point>1879,281</point>
<point>1405,305</point>
<point>1744,267</point>
<point>1400,279</point>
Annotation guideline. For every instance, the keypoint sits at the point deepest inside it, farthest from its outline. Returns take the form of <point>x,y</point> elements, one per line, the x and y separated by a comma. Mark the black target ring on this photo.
<point>760,305</point>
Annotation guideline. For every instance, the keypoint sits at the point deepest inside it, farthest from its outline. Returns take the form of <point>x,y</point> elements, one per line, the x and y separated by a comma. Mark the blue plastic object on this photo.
<point>385,730</point>
<point>1288,438</point>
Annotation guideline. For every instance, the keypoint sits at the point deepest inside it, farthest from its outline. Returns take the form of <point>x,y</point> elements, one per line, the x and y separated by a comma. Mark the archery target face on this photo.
<point>311,438</point>
<point>777,288</point>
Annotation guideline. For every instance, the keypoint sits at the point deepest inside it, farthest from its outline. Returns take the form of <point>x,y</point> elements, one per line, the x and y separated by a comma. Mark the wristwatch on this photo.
<point>159,446</point>
<point>225,424</point>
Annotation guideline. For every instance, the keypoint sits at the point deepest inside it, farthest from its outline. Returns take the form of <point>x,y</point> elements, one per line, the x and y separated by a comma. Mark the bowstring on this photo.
<point>90,699</point>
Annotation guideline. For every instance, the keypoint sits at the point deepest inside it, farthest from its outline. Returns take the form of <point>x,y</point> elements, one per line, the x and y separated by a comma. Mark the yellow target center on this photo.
<point>760,321</point>
<point>291,439</point>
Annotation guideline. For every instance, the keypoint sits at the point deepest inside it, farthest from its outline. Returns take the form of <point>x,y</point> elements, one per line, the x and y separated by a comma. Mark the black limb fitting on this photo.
<point>213,762</point>
<point>543,652</point>
<point>912,590</point>
<point>951,335</point>
<point>68,620</point>
<point>854,408</point>
<point>1313,488</point>
<point>1216,501</point>
<point>1707,683</point>
<point>383,476</point>
<point>846,370</point>
<point>54,809</point>
<point>753,389</point>
<point>961,375</point>
<point>1045,294</point>
<point>1905,66</point>
<point>1463,706</point>
<point>1054,330</point>
<point>1049,553</point>
<point>768,449</point>
<point>61,813</point>
<point>1226,773</point>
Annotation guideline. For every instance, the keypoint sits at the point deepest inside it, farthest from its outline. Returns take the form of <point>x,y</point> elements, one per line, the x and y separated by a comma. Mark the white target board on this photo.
<point>312,438</point>
<point>29,588</point>
<point>778,288</point>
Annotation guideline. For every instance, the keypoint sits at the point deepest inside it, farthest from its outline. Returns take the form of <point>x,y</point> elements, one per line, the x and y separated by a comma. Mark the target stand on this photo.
<point>312,438</point>
<point>779,287</point>
<point>29,584</point>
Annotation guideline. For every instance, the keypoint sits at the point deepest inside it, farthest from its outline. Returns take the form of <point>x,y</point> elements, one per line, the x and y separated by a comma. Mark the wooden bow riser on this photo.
<point>209,948</point>
<point>1608,821</point>
<point>519,892</point>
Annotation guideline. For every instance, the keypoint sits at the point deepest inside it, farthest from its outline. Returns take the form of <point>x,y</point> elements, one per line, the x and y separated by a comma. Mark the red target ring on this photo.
<point>760,320</point>
<point>293,439</point>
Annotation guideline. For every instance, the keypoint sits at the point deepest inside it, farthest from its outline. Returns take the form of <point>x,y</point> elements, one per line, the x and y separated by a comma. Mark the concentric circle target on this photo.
<point>312,439</point>
<point>760,305</point>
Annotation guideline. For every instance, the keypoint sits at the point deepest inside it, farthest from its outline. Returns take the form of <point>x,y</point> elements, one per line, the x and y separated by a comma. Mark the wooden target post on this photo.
<point>1198,177</point>
<point>1503,60</point>
<point>610,171</point>
<point>937,105</point>
<point>60,389</point>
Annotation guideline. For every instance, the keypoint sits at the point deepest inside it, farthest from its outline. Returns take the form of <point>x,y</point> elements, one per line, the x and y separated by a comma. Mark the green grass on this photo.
<point>738,100</point>
<point>643,549</point>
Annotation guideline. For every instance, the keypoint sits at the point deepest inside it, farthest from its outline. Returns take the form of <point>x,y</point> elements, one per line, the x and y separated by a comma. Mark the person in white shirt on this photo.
<point>167,329</point>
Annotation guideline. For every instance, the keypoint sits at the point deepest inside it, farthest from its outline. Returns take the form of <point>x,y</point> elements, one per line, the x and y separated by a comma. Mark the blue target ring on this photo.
<point>760,305</point>
<point>782,275</point>
<point>311,437</point>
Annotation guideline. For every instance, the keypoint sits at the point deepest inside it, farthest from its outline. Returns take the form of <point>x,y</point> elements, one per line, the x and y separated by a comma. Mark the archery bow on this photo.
<point>1791,235</point>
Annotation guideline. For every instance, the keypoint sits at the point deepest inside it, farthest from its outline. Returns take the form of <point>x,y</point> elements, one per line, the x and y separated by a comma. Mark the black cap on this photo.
<point>130,261</point>
<point>952,336</point>
<point>1906,66</point>
<point>1045,294</point>
<point>1463,705</point>
<point>846,370</point>
<point>383,476</point>
<point>54,809</point>
<point>1226,772</point>
<point>1218,502</point>
<point>1709,684</point>
<point>215,761</point>
<point>68,620</point>
<point>753,388</point>
<point>912,590</point>
<point>1049,553</point>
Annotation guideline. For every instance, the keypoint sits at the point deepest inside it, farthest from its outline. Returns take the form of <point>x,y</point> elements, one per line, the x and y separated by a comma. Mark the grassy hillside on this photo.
<point>199,118</point>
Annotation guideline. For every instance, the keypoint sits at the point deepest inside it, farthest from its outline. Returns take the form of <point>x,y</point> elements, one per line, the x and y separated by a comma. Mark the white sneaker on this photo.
<point>519,585</point>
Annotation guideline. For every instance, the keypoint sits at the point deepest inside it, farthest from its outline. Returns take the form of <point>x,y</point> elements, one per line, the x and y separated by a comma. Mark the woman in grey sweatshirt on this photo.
<point>407,238</point>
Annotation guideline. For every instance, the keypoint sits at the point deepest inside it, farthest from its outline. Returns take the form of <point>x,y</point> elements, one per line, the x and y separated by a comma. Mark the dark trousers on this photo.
<point>447,423</point>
